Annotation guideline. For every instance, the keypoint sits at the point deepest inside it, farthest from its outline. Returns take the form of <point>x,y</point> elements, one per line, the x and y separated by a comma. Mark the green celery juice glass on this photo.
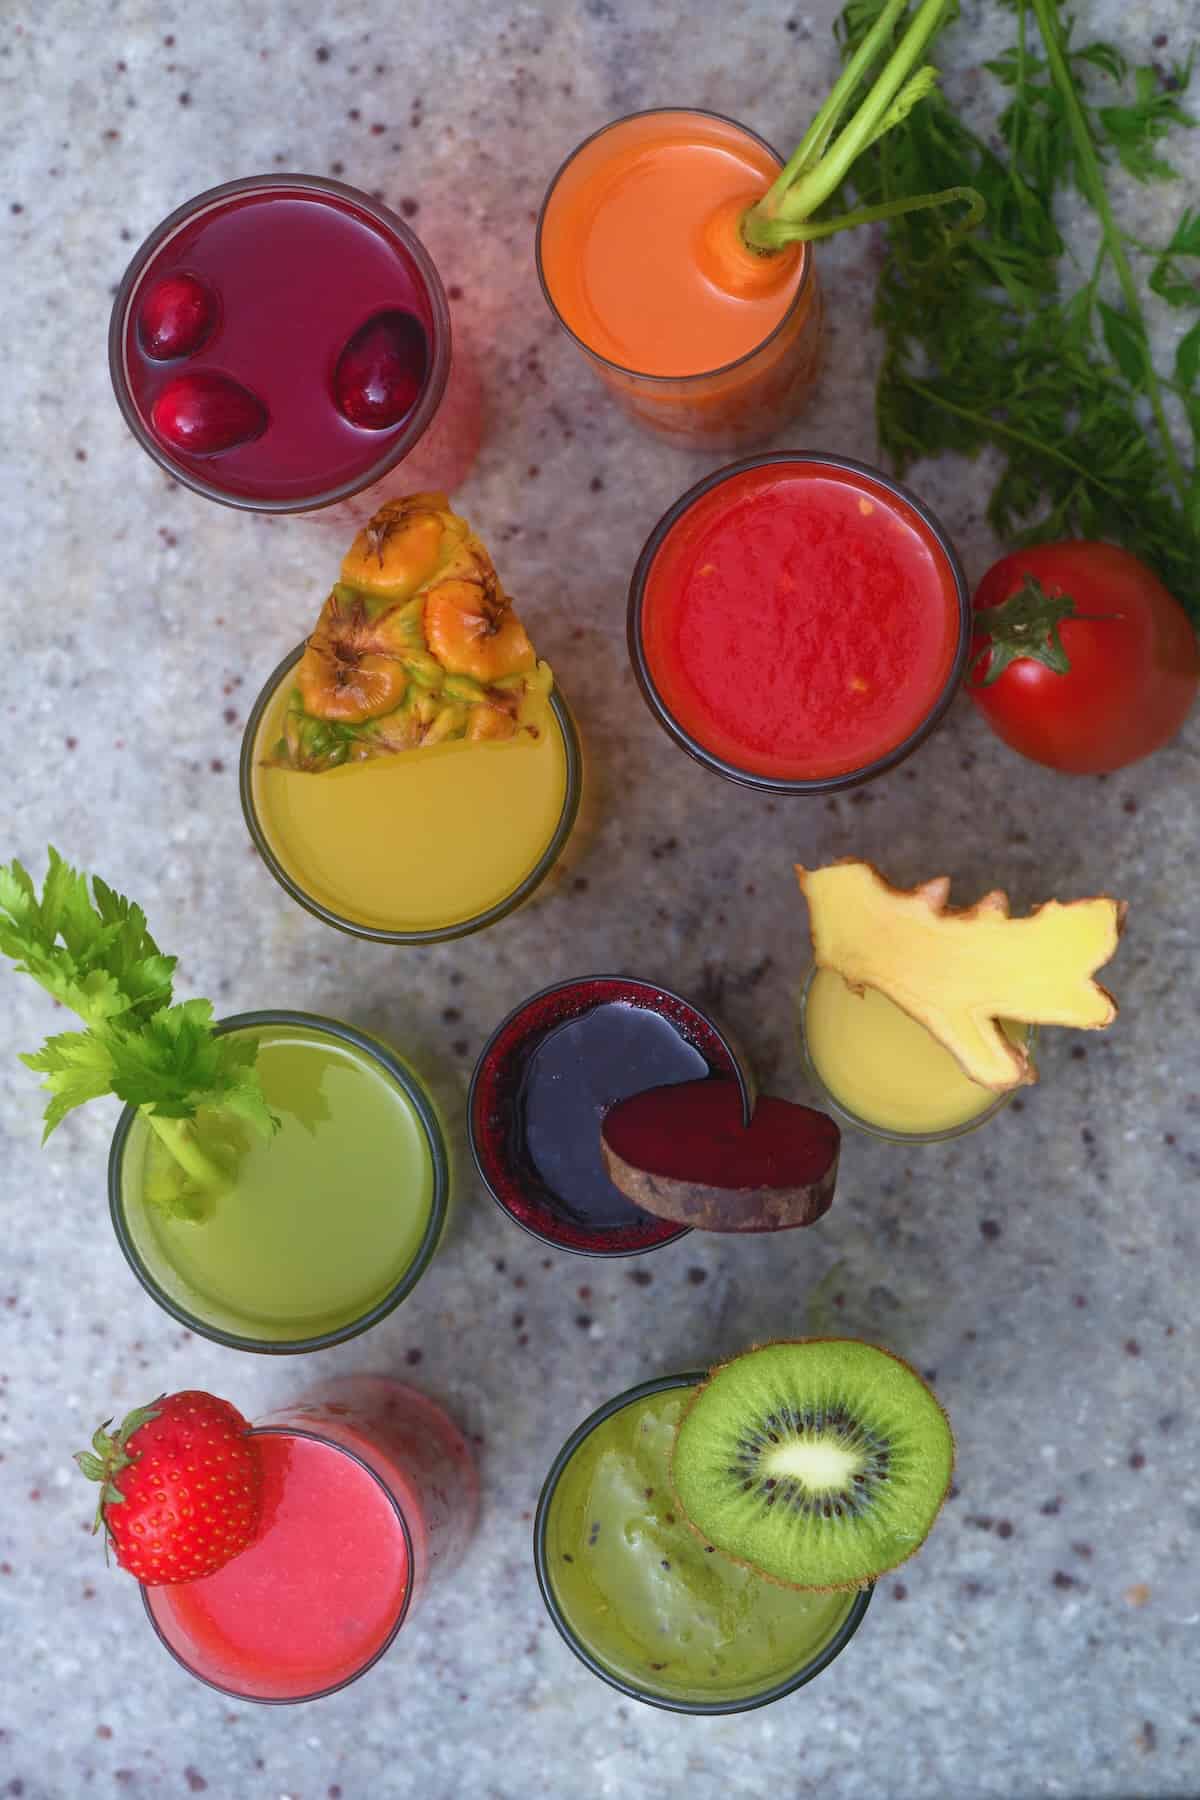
<point>318,1231</point>
<point>640,1598</point>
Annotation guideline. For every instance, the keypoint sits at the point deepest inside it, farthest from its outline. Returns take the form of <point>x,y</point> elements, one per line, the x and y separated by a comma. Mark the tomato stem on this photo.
<point>1024,625</point>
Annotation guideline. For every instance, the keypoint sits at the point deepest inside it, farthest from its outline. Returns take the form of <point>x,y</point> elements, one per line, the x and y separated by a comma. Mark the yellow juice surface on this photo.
<point>416,841</point>
<point>883,1066</point>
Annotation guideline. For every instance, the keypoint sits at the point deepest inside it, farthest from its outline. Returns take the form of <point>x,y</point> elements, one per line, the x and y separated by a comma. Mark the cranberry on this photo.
<point>176,317</point>
<point>205,412</point>
<point>381,371</point>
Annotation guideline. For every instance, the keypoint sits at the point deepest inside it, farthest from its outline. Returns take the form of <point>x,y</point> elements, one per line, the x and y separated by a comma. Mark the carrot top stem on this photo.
<point>829,148</point>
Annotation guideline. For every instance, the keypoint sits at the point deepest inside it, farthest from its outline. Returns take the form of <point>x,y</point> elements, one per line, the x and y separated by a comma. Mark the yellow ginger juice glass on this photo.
<point>885,1073</point>
<point>408,773</point>
<point>416,847</point>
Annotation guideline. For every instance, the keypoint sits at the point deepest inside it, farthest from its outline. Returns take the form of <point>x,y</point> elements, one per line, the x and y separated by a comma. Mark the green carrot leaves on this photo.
<point>89,947</point>
<point>989,342</point>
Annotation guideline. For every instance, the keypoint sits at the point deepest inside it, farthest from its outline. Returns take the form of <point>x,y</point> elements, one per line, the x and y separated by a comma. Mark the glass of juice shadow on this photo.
<point>370,1496</point>
<point>741,389</point>
<point>543,1082</point>
<point>316,1233</point>
<point>883,1073</point>
<point>825,527</point>
<point>417,848</point>
<point>707,1636</point>
<point>247,316</point>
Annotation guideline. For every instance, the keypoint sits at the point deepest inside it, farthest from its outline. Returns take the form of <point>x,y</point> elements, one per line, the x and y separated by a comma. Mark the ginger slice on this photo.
<point>958,971</point>
<point>417,645</point>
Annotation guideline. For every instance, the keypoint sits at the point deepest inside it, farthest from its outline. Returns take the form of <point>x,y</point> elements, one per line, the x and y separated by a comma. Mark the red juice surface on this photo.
<point>295,275</point>
<point>799,620</point>
<point>316,1595</point>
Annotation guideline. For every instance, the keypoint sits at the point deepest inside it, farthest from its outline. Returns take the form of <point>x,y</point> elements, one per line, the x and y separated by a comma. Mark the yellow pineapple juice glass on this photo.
<point>883,1072</point>
<point>418,847</point>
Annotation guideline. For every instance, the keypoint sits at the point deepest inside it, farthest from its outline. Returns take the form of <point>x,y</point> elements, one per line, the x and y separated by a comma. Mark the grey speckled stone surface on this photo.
<point>1045,1269</point>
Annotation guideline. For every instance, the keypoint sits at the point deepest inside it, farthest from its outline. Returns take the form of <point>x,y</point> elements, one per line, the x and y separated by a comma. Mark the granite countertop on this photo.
<point>1046,1641</point>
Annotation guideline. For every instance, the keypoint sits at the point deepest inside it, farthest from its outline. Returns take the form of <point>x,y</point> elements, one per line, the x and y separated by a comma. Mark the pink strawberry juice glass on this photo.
<point>369,1494</point>
<point>280,343</point>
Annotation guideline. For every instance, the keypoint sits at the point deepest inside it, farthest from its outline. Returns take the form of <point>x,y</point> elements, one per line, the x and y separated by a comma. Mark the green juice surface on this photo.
<point>319,1222</point>
<point>642,1593</point>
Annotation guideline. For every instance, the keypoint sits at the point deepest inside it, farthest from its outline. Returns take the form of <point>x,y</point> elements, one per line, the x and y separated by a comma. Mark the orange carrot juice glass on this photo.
<point>626,249</point>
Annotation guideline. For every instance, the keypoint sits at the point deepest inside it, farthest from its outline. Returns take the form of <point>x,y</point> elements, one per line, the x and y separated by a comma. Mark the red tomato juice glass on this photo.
<point>799,622</point>
<point>369,1494</point>
<point>280,342</point>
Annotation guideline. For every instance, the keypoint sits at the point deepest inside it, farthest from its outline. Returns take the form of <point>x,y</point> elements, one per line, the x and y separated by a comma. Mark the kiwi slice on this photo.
<point>820,1462</point>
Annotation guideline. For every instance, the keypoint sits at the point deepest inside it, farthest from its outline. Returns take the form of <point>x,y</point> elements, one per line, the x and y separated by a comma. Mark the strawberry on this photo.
<point>180,1487</point>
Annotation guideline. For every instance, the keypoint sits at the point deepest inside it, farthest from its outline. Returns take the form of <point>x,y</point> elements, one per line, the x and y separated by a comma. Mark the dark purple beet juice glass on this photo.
<point>542,1085</point>
<point>280,342</point>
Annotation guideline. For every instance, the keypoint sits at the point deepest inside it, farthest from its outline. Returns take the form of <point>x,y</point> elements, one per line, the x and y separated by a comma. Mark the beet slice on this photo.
<point>685,1153</point>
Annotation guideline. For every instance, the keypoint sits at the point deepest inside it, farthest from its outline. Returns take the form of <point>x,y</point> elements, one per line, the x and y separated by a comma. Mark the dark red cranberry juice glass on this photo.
<point>541,1087</point>
<point>280,342</point>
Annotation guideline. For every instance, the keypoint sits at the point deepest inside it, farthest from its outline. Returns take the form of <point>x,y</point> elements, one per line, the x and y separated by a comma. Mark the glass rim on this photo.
<point>778,784</point>
<point>335,1687</point>
<point>421,1103</point>
<point>890,1135</point>
<point>807,263</point>
<point>437,934</point>
<point>428,401</point>
<point>788,1685</point>
<point>740,1071</point>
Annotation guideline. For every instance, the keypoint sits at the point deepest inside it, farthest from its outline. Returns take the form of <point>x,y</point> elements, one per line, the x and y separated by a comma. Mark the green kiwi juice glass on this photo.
<point>315,1233</point>
<point>639,1597</point>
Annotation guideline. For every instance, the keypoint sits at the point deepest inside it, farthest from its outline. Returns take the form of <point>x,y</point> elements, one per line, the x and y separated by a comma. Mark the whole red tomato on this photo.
<point>1081,659</point>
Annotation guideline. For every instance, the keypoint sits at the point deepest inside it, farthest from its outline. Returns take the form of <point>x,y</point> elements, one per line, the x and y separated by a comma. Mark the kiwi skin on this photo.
<point>809,1587</point>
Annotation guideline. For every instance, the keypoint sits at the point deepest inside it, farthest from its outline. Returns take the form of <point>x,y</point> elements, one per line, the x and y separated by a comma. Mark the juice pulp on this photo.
<point>884,1067</point>
<point>321,1221</point>
<point>799,620</point>
<point>619,244</point>
<point>422,841</point>
<point>643,1595</point>
<point>296,272</point>
<point>314,1598</point>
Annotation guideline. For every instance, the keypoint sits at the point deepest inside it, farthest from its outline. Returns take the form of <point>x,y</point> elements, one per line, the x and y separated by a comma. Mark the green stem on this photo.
<point>181,1143</point>
<point>815,178</point>
<point>890,209</point>
<point>1092,181</point>
<point>821,162</point>
<point>815,141</point>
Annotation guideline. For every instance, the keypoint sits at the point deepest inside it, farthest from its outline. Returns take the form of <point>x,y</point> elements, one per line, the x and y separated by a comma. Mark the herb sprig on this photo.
<point>91,950</point>
<point>999,340</point>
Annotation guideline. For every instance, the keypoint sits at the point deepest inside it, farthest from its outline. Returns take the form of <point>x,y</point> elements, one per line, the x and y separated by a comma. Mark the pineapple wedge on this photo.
<point>417,645</point>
